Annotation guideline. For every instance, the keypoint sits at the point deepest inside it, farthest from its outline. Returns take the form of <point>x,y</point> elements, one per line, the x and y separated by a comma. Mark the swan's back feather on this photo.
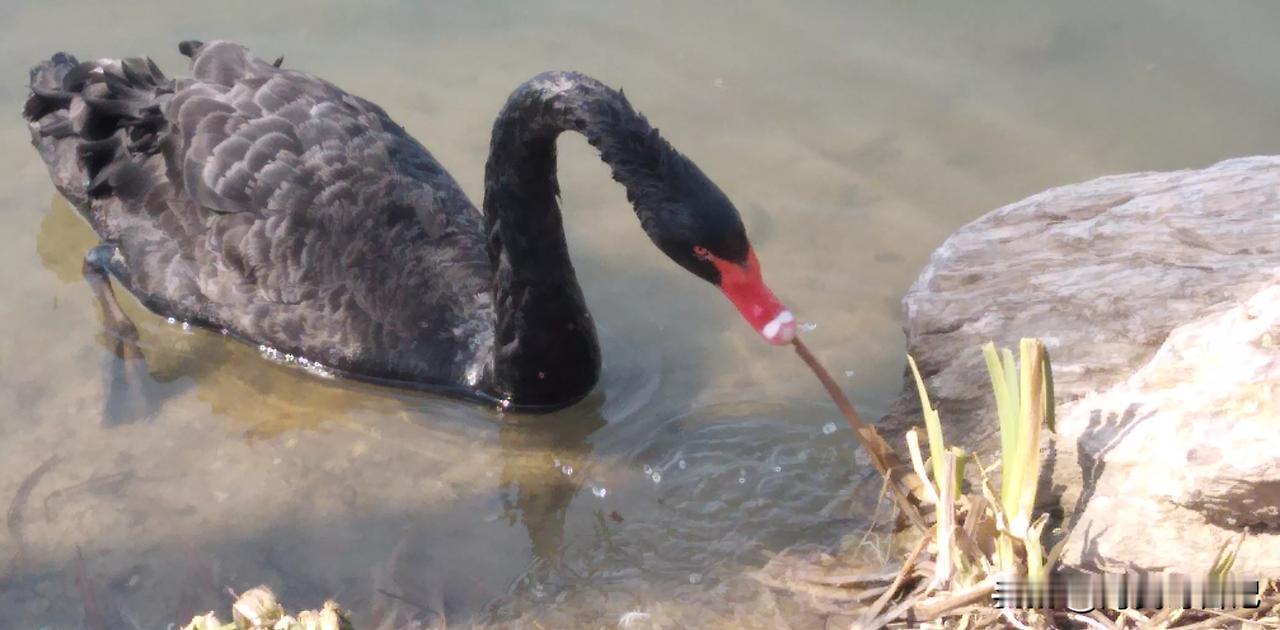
<point>271,203</point>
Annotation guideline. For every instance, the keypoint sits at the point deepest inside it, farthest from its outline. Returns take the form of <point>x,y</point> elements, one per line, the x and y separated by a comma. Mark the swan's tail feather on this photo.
<point>190,48</point>
<point>47,94</point>
<point>93,122</point>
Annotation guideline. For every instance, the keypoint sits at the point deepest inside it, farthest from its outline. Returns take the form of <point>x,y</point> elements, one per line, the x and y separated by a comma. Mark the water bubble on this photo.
<point>224,331</point>
<point>848,373</point>
<point>171,320</point>
<point>632,617</point>
<point>682,464</point>
<point>807,326</point>
<point>556,462</point>
<point>186,326</point>
<point>648,470</point>
<point>318,369</point>
<point>656,477</point>
<point>742,479</point>
<point>829,428</point>
<point>777,469</point>
<point>600,491</point>
<point>694,578</point>
<point>567,470</point>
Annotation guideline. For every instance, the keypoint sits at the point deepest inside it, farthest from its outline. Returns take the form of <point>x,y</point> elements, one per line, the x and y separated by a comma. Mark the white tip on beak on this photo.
<point>781,329</point>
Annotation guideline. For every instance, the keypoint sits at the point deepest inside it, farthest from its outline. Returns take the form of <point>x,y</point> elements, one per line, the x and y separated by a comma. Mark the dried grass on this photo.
<point>257,609</point>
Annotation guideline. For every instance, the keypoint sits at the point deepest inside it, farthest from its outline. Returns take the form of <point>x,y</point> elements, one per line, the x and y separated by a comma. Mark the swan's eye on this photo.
<point>701,252</point>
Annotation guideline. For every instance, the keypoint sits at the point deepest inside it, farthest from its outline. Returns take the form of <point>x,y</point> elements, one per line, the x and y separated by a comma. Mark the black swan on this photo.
<point>270,205</point>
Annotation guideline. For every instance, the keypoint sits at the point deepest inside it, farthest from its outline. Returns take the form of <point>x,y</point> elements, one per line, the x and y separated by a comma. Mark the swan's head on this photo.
<point>684,213</point>
<point>696,225</point>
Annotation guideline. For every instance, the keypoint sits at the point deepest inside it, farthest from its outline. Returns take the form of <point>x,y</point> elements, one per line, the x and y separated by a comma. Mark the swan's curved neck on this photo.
<point>545,345</point>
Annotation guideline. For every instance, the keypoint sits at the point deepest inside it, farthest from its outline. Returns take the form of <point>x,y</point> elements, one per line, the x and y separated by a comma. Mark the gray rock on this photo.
<point>1104,271</point>
<point>1185,454</point>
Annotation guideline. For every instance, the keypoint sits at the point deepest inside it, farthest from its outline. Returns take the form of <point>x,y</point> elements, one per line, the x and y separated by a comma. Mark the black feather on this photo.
<point>43,101</point>
<point>96,155</point>
<point>76,78</point>
<point>190,48</point>
<point>57,127</point>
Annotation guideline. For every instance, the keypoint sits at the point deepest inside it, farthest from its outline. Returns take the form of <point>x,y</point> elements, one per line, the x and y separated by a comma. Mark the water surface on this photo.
<point>854,139</point>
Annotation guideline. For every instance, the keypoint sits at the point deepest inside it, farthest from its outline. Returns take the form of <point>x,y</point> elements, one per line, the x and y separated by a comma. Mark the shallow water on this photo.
<point>853,140</point>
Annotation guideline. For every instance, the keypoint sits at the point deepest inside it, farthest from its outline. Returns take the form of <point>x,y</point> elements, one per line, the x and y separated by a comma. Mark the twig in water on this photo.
<point>423,607</point>
<point>980,592</point>
<point>92,483</point>
<point>14,519</point>
<point>882,457</point>
<point>875,517</point>
<point>878,606</point>
<point>92,614</point>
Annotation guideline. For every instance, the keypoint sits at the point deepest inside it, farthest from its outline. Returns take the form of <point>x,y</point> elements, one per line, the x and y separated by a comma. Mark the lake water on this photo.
<point>853,138</point>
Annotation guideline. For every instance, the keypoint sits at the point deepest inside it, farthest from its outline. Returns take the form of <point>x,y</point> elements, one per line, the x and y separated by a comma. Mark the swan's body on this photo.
<point>272,205</point>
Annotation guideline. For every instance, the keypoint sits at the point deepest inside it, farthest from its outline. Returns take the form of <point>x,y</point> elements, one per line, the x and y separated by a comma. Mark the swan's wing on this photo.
<point>288,164</point>
<point>252,137</point>
<point>315,198</point>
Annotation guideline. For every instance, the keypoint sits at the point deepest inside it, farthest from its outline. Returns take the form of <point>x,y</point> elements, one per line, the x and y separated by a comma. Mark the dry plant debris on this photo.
<point>257,609</point>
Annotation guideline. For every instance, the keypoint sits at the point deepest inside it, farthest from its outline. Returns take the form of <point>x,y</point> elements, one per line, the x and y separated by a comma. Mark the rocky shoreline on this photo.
<point>1158,295</point>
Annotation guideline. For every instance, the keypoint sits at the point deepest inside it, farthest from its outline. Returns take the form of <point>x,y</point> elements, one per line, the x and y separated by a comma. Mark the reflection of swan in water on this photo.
<point>270,204</point>
<point>63,233</point>
<point>543,468</point>
<point>430,576</point>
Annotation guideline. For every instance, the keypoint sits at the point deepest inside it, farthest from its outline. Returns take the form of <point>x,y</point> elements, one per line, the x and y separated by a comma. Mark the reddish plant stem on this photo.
<point>92,613</point>
<point>901,481</point>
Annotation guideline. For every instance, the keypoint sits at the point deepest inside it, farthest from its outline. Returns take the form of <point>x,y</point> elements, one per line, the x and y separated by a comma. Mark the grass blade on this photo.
<point>932,424</point>
<point>1004,410</point>
<point>1050,418</point>
<point>1027,474</point>
<point>917,463</point>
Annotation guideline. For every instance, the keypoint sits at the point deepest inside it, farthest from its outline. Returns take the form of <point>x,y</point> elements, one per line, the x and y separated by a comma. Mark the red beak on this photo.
<point>745,288</point>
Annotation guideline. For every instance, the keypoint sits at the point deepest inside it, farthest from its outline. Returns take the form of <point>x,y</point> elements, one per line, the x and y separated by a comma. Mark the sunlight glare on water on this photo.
<point>853,140</point>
